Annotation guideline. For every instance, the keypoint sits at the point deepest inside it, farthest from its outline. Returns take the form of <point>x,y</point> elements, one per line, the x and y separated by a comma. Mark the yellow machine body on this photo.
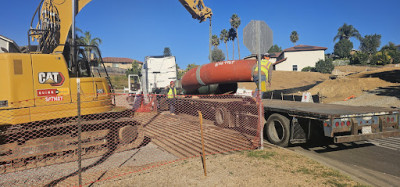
<point>38,87</point>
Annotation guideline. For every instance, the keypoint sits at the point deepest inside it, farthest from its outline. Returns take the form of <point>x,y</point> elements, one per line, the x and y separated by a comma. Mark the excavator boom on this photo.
<point>197,9</point>
<point>55,20</point>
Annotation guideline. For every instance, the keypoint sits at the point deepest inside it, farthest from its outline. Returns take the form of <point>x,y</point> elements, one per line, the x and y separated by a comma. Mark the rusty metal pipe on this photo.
<point>224,72</point>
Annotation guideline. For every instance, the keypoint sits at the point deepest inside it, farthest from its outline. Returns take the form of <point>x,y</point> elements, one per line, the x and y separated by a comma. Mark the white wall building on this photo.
<point>298,57</point>
<point>7,45</point>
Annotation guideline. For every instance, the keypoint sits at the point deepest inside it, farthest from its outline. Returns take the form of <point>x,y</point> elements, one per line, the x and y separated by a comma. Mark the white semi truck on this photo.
<point>157,73</point>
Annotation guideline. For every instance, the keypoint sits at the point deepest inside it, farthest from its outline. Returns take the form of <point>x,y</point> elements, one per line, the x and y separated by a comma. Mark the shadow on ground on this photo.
<point>393,91</point>
<point>296,89</point>
<point>389,76</point>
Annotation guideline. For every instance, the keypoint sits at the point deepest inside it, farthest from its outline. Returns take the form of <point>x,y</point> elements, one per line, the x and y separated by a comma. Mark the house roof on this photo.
<point>275,55</point>
<point>6,39</point>
<point>119,60</point>
<point>304,48</point>
<point>271,55</point>
<point>279,61</point>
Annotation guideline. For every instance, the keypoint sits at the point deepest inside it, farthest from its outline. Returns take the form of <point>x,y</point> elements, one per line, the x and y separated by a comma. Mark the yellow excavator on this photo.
<point>38,101</point>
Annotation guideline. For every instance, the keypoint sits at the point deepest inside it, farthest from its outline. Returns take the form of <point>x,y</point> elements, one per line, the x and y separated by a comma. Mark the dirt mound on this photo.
<point>289,80</point>
<point>352,81</point>
<point>356,84</point>
<point>352,69</point>
<point>340,89</point>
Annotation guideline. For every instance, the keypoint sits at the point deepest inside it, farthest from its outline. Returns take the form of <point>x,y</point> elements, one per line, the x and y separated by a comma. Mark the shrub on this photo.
<point>359,58</point>
<point>309,69</point>
<point>381,58</point>
<point>324,66</point>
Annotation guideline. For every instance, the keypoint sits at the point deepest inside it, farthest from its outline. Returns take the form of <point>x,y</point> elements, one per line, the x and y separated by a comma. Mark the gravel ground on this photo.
<point>146,155</point>
<point>370,99</point>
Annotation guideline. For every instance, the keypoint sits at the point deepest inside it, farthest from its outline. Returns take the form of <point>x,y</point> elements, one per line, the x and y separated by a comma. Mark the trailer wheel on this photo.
<point>222,117</point>
<point>277,130</point>
<point>131,135</point>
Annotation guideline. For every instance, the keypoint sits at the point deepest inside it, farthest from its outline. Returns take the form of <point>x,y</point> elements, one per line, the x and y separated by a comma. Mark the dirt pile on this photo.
<point>340,89</point>
<point>381,81</point>
<point>289,80</point>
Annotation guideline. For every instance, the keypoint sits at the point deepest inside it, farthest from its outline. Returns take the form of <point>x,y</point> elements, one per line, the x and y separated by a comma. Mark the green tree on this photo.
<point>324,66</point>
<point>232,36</point>
<point>343,48</point>
<point>370,43</point>
<point>167,51</point>
<point>381,58</point>
<point>346,32</point>
<point>215,41</point>
<point>359,58</point>
<point>235,23</point>
<point>180,72</point>
<point>294,37</point>
<point>87,39</point>
<point>191,66</point>
<point>224,36</point>
<point>274,49</point>
<point>217,55</point>
<point>134,70</point>
<point>392,51</point>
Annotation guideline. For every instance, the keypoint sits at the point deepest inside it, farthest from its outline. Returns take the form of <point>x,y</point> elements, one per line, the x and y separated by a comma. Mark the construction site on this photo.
<point>63,122</point>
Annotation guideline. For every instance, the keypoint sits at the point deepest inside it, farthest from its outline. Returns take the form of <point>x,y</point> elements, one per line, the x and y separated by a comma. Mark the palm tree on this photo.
<point>87,39</point>
<point>235,23</point>
<point>224,36</point>
<point>346,32</point>
<point>215,41</point>
<point>294,37</point>
<point>232,37</point>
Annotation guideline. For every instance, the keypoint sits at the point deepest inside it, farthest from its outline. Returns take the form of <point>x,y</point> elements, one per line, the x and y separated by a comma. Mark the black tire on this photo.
<point>222,117</point>
<point>132,135</point>
<point>277,130</point>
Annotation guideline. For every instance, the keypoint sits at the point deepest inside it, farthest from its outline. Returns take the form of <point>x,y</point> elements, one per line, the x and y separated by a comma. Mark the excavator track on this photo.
<point>44,143</point>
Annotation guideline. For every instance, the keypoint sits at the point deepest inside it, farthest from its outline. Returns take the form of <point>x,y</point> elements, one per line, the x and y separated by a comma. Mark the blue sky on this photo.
<point>139,28</point>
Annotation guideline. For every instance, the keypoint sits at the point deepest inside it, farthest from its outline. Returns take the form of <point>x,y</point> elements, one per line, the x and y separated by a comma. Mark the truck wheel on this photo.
<point>277,130</point>
<point>222,117</point>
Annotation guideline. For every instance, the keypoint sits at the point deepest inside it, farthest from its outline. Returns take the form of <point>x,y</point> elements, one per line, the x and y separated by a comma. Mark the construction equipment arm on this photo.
<point>54,23</point>
<point>55,19</point>
<point>197,9</point>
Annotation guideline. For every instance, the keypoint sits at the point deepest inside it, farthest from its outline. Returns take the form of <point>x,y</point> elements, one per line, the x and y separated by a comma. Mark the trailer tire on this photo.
<point>277,130</point>
<point>132,135</point>
<point>222,117</point>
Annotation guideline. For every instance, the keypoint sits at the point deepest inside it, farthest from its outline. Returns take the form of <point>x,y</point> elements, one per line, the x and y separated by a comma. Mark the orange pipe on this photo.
<point>218,73</point>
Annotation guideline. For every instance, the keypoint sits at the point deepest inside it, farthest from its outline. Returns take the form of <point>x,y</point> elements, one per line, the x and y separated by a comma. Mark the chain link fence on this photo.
<point>120,134</point>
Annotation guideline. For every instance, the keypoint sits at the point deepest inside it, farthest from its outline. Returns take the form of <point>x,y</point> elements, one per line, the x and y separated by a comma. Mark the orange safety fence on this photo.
<point>120,134</point>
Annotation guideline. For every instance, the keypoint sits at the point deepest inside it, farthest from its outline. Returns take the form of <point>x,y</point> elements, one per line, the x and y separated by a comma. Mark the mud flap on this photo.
<point>297,134</point>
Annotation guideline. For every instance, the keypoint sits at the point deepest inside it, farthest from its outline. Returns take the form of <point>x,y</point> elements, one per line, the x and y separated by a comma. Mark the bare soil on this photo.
<point>269,167</point>
<point>289,79</point>
<point>276,166</point>
<point>354,85</point>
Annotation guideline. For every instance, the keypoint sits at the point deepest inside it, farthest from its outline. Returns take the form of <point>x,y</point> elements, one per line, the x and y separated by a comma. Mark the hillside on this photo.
<point>378,86</point>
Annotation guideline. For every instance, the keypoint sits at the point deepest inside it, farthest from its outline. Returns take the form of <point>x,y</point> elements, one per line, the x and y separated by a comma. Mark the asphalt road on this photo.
<point>376,162</point>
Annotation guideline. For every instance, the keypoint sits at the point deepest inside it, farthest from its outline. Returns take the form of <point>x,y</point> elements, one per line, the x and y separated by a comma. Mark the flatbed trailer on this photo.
<point>343,123</point>
<point>291,122</point>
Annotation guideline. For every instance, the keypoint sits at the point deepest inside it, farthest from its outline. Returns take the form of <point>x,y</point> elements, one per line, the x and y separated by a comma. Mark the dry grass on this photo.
<point>268,167</point>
